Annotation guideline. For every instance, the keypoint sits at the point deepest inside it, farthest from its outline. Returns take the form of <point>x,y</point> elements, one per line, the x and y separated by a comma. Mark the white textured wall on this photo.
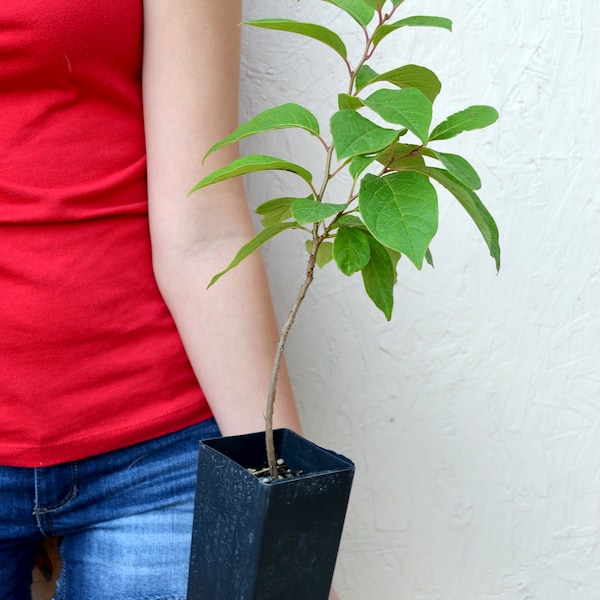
<point>474,417</point>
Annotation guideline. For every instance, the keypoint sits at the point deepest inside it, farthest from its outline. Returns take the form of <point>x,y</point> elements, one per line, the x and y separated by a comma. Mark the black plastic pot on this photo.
<point>267,541</point>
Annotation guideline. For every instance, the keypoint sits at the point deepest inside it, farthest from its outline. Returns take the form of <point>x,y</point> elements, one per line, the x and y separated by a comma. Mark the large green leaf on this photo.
<point>474,117</point>
<point>254,244</point>
<point>401,211</point>
<point>379,277</point>
<point>278,117</point>
<point>354,135</point>
<point>375,4</point>
<point>459,167</point>
<point>408,107</point>
<point>473,205</point>
<point>252,164</point>
<point>359,10</point>
<point>311,30</point>
<point>418,21</point>
<point>307,210</point>
<point>351,249</point>
<point>408,76</point>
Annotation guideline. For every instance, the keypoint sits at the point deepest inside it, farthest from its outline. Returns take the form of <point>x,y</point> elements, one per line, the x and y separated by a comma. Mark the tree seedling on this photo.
<point>382,138</point>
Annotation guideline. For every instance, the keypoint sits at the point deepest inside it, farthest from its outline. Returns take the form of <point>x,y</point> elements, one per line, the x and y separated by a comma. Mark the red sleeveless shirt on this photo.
<point>90,359</point>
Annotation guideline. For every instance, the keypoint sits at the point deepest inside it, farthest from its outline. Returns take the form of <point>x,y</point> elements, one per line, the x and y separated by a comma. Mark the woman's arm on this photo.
<point>190,79</point>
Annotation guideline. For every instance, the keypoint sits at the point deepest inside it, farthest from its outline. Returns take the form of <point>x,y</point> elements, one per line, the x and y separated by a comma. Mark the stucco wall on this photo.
<point>474,417</point>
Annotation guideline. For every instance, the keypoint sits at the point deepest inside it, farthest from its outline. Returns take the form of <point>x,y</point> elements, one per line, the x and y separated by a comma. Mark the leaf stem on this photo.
<point>327,176</point>
<point>322,140</point>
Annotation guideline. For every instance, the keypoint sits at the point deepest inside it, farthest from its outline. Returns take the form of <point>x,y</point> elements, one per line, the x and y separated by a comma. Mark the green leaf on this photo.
<point>278,117</point>
<point>474,117</point>
<point>351,249</point>
<point>351,221</point>
<point>459,167</point>
<point>379,277</point>
<point>348,102</point>
<point>395,256</point>
<point>429,257</point>
<point>471,202</point>
<point>408,76</point>
<point>275,211</point>
<point>359,10</point>
<point>404,156</point>
<point>364,76</point>
<point>401,211</point>
<point>354,135</point>
<point>316,32</point>
<point>307,210</point>
<point>252,164</point>
<point>254,244</point>
<point>408,107</point>
<point>359,164</point>
<point>418,21</point>
<point>407,163</point>
<point>324,253</point>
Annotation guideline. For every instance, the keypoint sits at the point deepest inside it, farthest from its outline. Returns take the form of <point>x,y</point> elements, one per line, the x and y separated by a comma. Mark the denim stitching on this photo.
<point>42,514</point>
<point>68,498</point>
<point>61,582</point>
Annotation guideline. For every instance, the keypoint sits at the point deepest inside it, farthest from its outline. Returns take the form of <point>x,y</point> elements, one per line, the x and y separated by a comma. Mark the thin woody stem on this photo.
<point>285,330</point>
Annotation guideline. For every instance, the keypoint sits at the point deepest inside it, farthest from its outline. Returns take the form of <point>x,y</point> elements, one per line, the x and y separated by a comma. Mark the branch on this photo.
<point>270,444</point>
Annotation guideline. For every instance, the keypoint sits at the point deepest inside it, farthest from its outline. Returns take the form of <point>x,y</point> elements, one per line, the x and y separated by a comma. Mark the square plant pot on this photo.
<point>254,540</point>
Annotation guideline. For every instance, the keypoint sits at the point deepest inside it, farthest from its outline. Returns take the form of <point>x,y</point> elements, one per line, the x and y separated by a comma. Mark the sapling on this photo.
<point>390,206</point>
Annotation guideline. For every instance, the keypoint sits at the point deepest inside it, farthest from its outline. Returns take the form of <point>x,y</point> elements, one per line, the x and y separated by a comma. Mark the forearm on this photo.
<point>230,335</point>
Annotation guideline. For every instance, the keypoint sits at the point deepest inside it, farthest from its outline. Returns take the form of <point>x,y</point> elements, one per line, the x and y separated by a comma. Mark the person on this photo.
<point>115,357</point>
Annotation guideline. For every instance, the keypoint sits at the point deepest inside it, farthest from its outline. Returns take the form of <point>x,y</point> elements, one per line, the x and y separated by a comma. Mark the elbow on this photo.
<point>164,275</point>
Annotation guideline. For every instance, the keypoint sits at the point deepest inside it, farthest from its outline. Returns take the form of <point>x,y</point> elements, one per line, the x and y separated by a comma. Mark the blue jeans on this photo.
<point>125,516</point>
